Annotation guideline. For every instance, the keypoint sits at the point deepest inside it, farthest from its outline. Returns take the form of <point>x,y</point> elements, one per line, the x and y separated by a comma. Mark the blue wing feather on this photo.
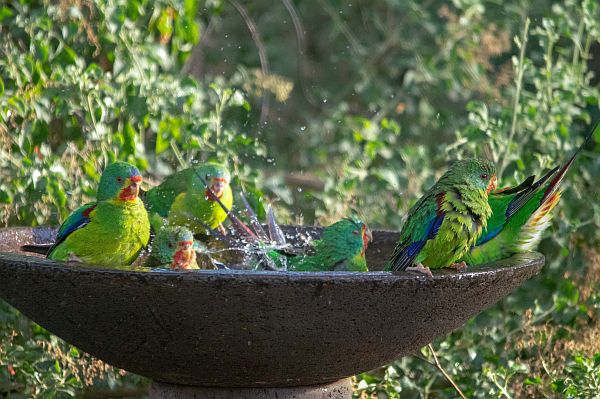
<point>76,220</point>
<point>404,256</point>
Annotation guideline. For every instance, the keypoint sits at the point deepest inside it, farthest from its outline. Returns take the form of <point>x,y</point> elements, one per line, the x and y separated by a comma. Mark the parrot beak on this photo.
<point>493,184</point>
<point>217,186</point>
<point>184,255</point>
<point>132,188</point>
<point>367,237</point>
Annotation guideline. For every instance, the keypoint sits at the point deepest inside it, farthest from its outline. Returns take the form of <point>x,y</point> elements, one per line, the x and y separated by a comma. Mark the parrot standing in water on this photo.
<point>113,230</point>
<point>520,215</point>
<point>184,199</point>
<point>447,220</point>
<point>173,248</point>
<point>342,247</point>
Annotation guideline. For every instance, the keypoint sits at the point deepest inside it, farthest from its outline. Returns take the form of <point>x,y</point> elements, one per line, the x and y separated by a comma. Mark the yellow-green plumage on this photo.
<point>173,248</point>
<point>110,232</point>
<point>521,214</point>
<point>184,200</point>
<point>443,225</point>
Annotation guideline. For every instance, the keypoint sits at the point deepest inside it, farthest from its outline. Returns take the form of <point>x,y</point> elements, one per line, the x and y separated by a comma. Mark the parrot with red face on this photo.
<point>521,214</point>
<point>110,232</point>
<point>447,220</point>
<point>195,197</point>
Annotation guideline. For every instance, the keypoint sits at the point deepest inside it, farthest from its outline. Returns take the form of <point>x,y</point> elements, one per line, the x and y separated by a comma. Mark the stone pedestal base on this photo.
<point>341,389</point>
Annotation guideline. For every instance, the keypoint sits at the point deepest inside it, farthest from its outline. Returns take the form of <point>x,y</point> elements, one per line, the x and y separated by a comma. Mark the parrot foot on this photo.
<point>461,267</point>
<point>222,229</point>
<point>73,258</point>
<point>419,268</point>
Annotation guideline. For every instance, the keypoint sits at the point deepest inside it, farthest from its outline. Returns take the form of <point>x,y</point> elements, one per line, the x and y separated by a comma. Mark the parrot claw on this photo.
<point>419,268</point>
<point>74,258</point>
<point>222,229</point>
<point>461,267</point>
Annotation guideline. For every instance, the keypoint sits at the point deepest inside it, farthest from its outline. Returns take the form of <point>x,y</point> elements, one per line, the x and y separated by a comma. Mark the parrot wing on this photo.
<point>76,220</point>
<point>507,202</point>
<point>424,221</point>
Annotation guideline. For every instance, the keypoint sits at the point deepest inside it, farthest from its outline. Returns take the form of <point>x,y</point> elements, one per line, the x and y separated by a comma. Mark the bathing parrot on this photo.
<point>520,215</point>
<point>447,220</point>
<point>111,231</point>
<point>173,248</point>
<point>342,247</point>
<point>184,200</point>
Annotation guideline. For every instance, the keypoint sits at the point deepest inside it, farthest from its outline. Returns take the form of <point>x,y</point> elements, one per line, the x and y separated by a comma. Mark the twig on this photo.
<point>301,43</point>
<point>178,155</point>
<point>446,375</point>
<point>262,54</point>
<point>519,85</point>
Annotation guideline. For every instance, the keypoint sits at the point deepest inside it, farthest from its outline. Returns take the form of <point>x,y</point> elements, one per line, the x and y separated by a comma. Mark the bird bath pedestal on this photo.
<point>248,334</point>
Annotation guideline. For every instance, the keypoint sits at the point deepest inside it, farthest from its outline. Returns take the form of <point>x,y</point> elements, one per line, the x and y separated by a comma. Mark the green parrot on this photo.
<point>110,232</point>
<point>447,220</point>
<point>342,247</point>
<point>520,215</point>
<point>173,248</point>
<point>184,199</point>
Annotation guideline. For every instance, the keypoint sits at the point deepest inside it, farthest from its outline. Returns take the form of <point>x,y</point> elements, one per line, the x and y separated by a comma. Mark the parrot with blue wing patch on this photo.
<point>110,232</point>
<point>521,214</point>
<point>447,220</point>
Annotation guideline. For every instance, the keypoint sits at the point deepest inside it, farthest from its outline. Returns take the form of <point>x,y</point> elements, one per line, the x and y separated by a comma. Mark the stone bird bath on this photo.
<point>247,334</point>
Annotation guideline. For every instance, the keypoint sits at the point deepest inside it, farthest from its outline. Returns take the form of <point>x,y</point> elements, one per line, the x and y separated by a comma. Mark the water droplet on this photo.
<point>324,101</point>
<point>302,128</point>
<point>299,189</point>
<point>437,116</point>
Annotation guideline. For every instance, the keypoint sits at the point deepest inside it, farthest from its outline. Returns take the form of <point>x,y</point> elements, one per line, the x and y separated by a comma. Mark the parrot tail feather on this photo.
<point>41,249</point>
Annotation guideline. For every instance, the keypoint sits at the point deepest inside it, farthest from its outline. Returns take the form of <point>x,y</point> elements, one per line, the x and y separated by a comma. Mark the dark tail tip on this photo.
<point>41,249</point>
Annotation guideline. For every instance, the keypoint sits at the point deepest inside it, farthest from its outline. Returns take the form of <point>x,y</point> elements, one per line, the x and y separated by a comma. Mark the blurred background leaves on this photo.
<point>329,107</point>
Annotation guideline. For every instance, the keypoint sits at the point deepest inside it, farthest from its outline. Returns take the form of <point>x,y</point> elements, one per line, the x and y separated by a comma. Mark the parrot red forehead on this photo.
<point>136,178</point>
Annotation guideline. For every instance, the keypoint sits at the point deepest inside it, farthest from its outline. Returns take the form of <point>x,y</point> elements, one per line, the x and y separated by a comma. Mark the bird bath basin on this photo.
<point>249,334</point>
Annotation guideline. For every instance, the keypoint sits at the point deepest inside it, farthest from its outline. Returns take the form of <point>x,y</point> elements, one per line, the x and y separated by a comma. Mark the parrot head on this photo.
<point>174,245</point>
<point>350,232</point>
<point>475,173</point>
<point>120,181</point>
<point>217,178</point>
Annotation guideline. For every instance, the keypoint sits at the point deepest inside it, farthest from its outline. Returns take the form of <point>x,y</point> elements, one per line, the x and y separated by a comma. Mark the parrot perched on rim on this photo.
<point>447,220</point>
<point>184,199</point>
<point>173,248</point>
<point>113,230</point>
<point>342,247</point>
<point>520,215</point>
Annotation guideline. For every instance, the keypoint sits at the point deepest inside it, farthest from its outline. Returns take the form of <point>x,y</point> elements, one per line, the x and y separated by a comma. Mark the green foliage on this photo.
<point>384,96</point>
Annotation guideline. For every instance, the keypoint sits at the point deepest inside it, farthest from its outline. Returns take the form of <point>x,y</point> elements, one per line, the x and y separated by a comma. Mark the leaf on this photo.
<point>5,12</point>
<point>129,135</point>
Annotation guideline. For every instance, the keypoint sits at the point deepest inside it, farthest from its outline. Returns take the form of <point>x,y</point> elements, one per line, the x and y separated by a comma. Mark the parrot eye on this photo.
<point>170,245</point>
<point>120,179</point>
<point>484,176</point>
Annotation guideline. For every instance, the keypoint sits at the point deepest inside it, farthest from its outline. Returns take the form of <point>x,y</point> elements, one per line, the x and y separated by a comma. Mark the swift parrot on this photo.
<point>184,199</point>
<point>447,220</point>
<point>173,248</point>
<point>521,214</point>
<point>111,231</point>
<point>342,247</point>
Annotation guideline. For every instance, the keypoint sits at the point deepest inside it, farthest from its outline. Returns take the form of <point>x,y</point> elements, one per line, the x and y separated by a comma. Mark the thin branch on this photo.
<point>519,84</point>
<point>301,43</point>
<point>446,375</point>
<point>262,54</point>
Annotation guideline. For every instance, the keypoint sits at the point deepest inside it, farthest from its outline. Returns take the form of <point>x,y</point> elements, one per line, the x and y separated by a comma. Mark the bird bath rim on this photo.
<point>227,328</point>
